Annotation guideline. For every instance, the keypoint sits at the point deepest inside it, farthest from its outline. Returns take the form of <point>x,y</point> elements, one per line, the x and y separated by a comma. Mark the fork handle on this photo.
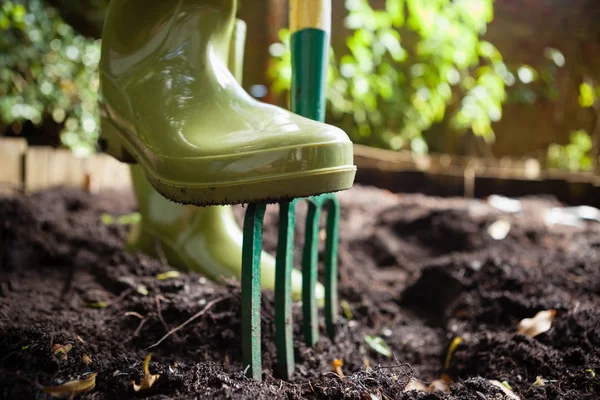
<point>310,26</point>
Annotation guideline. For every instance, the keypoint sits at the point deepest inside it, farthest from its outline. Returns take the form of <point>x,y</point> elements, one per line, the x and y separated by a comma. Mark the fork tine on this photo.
<point>251,252</point>
<point>310,260</point>
<point>331,259</point>
<point>283,291</point>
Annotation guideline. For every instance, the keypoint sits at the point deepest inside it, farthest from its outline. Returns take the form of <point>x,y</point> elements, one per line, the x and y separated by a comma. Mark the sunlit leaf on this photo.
<point>540,323</point>
<point>72,388</point>
<point>148,379</point>
<point>586,95</point>
<point>168,275</point>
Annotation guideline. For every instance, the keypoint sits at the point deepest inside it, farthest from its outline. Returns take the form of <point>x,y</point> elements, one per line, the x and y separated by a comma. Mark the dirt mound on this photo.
<point>414,270</point>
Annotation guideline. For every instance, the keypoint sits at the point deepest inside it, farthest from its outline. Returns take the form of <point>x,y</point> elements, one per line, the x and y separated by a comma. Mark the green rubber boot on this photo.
<point>172,106</point>
<point>201,239</point>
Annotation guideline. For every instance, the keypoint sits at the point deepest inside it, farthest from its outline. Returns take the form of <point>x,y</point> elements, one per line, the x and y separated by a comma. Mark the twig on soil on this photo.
<point>135,314</point>
<point>158,298</point>
<point>136,332</point>
<point>189,320</point>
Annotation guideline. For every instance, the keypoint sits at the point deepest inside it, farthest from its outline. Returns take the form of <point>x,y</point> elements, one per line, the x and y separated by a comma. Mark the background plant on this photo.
<point>579,153</point>
<point>47,70</point>
<point>407,66</point>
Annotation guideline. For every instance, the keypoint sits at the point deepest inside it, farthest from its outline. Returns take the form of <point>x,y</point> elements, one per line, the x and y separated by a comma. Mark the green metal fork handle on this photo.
<point>309,47</point>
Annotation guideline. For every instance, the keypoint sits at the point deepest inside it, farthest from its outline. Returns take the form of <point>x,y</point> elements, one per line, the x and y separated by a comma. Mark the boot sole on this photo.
<point>270,188</point>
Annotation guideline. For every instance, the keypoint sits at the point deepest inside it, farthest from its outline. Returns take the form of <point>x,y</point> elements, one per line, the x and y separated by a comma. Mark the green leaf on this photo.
<point>130,219</point>
<point>379,345</point>
<point>168,275</point>
<point>586,95</point>
<point>99,304</point>
<point>395,8</point>
<point>107,219</point>
<point>346,309</point>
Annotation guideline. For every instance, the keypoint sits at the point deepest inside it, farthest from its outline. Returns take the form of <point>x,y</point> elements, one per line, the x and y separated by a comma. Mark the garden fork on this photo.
<point>310,25</point>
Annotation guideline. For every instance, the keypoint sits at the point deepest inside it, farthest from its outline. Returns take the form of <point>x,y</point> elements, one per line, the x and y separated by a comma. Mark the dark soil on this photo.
<point>417,271</point>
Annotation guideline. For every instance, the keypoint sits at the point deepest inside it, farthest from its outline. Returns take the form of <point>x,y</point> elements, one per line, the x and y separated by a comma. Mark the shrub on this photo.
<point>406,67</point>
<point>47,70</point>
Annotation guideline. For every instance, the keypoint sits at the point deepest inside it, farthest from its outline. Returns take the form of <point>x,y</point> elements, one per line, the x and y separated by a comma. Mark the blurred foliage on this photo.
<point>539,82</point>
<point>588,95</point>
<point>577,154</point>
<point>47,70</point>
<point>406,67</point>
<point>574,156</point>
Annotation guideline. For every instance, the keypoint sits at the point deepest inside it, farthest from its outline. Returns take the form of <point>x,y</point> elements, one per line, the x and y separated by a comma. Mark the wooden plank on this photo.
<point>106,173</point>
<point>37,160</point>
<point>12,151</point>
<point>64,169</point>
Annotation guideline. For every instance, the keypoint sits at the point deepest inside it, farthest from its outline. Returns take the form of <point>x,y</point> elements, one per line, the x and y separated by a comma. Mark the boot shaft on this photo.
<point>136,30</point>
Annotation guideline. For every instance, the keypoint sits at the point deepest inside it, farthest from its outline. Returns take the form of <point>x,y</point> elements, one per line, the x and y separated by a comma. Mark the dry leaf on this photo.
<point>61,351</point>
<point>499,229</point>
<point>72,388</point>
<point>507,392</point>
<point>415,384</point>
<point>336,366</point>
<point>439,385</point>
<point>542,322</point>
<point>539,381</point>
<point>87,360</point>
<point>148,379</point>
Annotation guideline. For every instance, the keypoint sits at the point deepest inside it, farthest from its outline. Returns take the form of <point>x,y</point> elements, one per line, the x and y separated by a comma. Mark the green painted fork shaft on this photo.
<point>310,261</point>
<point>331,258</point>
<point>283,296</point>
<point>251,252</point>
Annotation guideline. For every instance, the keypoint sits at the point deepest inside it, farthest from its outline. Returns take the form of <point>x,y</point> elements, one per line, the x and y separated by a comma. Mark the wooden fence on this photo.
<point>30,168</point>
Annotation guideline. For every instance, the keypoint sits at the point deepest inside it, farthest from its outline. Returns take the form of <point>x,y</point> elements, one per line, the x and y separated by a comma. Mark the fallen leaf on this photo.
<point>591,372</point>
<point>87,360</point>
<point>438,385</point>
<point>541,323</point>
<point>346,309</point>
<point>148,379</point>
<point>141,289</point>
<point>61,351</point>
<point>455,343</point>
<point>499,229</point>
<point>379,345</point>
<point>100,304</point>
<point>415,384</point>
<point>107,219</point>
<point>168,275</point>
<point>509,393</point>
<point>539,381</point>
<point>337,367</point>
<point>72,388</point>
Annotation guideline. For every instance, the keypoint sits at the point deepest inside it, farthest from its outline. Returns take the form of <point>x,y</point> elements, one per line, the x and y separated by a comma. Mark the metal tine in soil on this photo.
<point>251,298</point>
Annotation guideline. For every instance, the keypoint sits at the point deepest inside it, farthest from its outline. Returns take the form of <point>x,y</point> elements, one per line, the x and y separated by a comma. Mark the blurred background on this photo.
<point>496,80</point>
